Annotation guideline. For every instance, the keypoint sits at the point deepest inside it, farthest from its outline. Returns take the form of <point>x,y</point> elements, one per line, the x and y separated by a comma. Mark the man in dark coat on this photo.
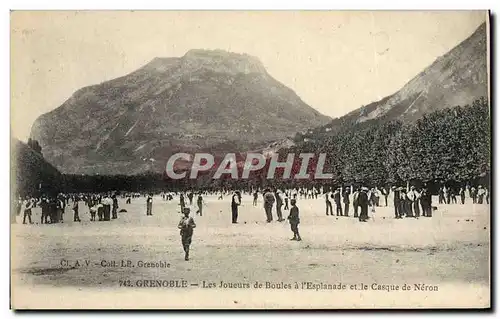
<point>397,202</point>
<point>115,207</point>
<point>268,204</point>
<point>337,200</point>
<point>345,199</point>
<point>363,204</point>
<point>76,217</point>
<point>235,202</point>
<point>355,204</point>
<point>294,220</point>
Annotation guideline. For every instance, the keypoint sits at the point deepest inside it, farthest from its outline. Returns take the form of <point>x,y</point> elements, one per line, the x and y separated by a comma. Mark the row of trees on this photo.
<point>450,145</point>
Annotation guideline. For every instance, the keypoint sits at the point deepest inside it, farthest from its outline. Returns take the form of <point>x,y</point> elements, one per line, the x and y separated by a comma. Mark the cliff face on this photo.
<point>457,78</point>
<point>205,100</point>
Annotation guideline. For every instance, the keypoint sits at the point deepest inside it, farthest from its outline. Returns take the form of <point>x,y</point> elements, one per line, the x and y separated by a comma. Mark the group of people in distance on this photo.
<point>410,201</point>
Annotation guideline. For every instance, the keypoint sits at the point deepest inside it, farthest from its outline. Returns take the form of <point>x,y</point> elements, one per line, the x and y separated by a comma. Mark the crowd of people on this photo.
<point>409,202</point>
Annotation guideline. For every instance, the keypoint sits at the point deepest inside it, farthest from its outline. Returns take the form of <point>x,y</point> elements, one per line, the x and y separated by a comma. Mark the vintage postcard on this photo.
<point>250,160</point>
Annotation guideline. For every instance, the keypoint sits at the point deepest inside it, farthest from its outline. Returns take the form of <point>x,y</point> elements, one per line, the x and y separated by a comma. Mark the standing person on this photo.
<point>235,202</point>
<point>199,202</point>
<point>27,210</point>
<point>328,203</point>
<point>345,199</point>
<point>115,207</point>
<point>411,202</point>
<point>107,202</point>
<point>190,197</point>
<point>255,197</point>
<point>286,201</point>
<point>453,195</point>
<point>441,195</point>
<point>93,211</point>
<point>279,204</point>
<point>294,220</point>
<point>397,202</point>
<point>60,210</point>
<point>186,226</point>
<point>355,203</point>
<point>149,205</point>
<point>473,195</point>
<point>363,204</point>
<point>480,194</point>
<point>446,194</point>
<point>461,192</point>
<point>385,192</point>
<point>268,204</point>
<point>487,195</point>
<point>182,202</point>
<point>76,217</point>
<point>100,211</point>
<point>44,204</point>
<point>336,199</point>
<point>426,202</point>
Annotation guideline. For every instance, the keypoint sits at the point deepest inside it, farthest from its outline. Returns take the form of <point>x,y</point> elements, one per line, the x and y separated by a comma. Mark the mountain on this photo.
<point>456,78</point>
<point>212,101</point>
<point>30,170</point>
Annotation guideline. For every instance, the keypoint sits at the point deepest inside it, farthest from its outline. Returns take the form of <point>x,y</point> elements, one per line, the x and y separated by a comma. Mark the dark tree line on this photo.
<point>450,146</point>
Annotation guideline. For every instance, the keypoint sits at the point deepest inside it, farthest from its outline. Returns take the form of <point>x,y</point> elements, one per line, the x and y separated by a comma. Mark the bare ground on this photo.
<point>449,251</point>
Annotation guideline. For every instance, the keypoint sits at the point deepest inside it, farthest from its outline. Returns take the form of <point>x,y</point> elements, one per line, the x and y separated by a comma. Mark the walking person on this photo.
<point>286,201</point>
<point>294,220</point>
<point>186,226</point>
<point>199,202</point>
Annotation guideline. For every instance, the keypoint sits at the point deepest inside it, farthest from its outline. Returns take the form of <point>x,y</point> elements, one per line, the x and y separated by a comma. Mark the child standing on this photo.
<point>186,225</point>
<point>294,220</point>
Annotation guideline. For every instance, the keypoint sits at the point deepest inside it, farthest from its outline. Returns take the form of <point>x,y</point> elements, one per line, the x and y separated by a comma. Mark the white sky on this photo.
<point>335,61</point>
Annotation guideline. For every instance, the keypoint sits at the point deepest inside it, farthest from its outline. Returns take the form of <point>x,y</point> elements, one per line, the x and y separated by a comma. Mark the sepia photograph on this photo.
<point>250,160</point>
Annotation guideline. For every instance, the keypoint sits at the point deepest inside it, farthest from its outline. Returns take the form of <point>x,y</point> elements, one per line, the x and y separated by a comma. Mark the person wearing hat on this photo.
<point>294,220</point>
<point>480,194</point>
<point>235,203</point>
<point>461,192</point>
<point>268,204</point>
<point>279,204</point>
<point>355,204</point>
<point>149,205</point>
<point>337,198</point>
<point>186,226</point>
<point>397,201</point>
<point>345,199</point>
<point>426,201</point>
<point>363,204</point>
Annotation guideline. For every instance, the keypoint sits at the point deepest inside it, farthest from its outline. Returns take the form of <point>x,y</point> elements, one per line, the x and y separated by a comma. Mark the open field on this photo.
<point>449,251</point>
